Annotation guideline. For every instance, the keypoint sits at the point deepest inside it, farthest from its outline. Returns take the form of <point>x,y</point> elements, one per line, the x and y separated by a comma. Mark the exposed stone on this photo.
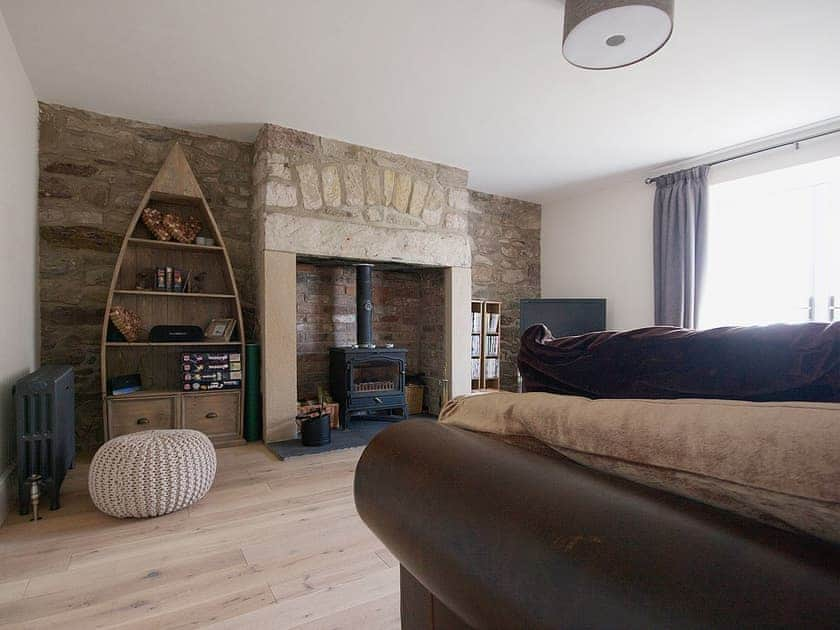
<point>455,222</point>
<point>452,176</point>
<point>482,273</point>
<point>418,197</point>
<point>331,185</point>
<point>278,138</point>
<point>374,214</point>
<point>373,186</point>
<point>329,238</point>
<point>400,219</point>
<point>95,193</point>
<point>83,216</point>
<point>280,195</point>
<point>389,160</point>
<point>354,185</point>
<point>271,165</point>
<point>343,212</point>
<point>459,198</point>
<point>431,216</point>
<point>309,187</point>
<point>514,276</point>
<point>402,192</point>
<point>337,149</point>
<point>69,168</point>
<point>54,187</point>
<point>388,179</point>
<point>77,237</point>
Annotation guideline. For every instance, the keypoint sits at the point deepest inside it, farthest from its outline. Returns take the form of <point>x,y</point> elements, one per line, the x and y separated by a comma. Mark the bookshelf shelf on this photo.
<point>215,296</point>
<point>486,337</point>
<point>191,247</point>
<point>166,400</point>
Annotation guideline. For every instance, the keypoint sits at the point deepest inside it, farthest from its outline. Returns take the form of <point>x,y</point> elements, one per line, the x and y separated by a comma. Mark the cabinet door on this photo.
<point>215,414</point>
<point>130,415</point>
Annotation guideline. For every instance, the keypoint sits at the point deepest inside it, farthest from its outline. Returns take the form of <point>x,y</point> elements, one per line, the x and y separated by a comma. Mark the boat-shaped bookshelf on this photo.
<point>170,398</point>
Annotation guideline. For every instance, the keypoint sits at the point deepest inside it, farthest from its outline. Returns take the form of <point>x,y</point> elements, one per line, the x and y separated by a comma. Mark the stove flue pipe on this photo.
<point>364,305</point>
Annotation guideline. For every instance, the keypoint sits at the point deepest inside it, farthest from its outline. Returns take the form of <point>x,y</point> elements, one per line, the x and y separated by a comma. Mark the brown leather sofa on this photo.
<point>490,535</point>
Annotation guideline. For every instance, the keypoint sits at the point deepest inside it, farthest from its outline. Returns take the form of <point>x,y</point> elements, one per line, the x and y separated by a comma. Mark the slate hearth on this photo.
<point>361,432</point>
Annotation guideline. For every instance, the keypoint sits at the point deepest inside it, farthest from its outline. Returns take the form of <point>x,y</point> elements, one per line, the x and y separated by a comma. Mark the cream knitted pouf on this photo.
<point>151,473</point>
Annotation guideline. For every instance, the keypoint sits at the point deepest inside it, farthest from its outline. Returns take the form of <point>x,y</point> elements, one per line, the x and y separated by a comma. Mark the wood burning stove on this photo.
<point>366,380</point>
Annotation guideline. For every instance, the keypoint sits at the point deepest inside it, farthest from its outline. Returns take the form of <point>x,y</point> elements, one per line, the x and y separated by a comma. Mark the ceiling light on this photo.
<point>601,34</point>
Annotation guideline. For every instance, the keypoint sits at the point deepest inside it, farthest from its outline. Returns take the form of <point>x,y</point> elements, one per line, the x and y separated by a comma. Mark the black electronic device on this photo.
<point>176,334</point>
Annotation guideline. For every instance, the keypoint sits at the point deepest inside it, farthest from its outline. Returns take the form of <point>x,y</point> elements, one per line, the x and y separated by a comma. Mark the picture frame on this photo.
<point>219,329</point>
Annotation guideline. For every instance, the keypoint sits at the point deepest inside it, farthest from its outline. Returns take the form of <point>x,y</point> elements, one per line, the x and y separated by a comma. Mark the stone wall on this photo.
<point>326,317</point>
<point>323,197</point>
<point>94,172</point>
<point>505,242</point>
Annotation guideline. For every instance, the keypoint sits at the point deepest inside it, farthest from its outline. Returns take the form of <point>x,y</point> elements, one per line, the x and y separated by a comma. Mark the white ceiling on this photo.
<point>479,84</point>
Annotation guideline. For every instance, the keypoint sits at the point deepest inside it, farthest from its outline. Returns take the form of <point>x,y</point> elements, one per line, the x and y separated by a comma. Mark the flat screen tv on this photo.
<point>564,316</point>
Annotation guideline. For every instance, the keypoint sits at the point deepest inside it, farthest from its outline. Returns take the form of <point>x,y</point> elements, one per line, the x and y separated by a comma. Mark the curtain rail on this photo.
<point>650,180</point>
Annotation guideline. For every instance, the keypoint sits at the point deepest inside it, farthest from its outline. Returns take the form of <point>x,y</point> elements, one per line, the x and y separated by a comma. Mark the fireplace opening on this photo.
<point>365,333</point>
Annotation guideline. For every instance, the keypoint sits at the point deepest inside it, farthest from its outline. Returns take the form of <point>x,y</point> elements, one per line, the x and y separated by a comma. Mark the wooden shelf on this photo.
<point>147,242</point>
<point>157,393</point>
<point>175,191</point>
<point>483,309</point>
<point>155,344</point>
<point>220,296</point>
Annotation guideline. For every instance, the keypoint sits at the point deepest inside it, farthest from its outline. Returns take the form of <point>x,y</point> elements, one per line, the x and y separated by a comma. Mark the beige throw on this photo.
<point>775,462</point>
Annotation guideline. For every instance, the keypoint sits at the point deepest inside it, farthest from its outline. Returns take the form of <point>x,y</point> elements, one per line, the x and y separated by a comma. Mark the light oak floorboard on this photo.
<point>273,545</point>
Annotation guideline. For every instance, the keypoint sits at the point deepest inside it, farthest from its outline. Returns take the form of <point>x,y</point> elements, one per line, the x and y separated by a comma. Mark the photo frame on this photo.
<point>219,329</point>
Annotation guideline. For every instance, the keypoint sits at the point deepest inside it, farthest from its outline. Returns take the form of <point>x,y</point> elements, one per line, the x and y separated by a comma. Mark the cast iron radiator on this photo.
<point>46,430</point>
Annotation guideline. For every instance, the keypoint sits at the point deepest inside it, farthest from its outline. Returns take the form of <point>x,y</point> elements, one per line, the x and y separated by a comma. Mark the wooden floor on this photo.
<point>273,545</point>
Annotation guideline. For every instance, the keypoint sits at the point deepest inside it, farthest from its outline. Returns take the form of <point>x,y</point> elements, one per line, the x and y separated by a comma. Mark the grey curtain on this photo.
<point>680,217</point>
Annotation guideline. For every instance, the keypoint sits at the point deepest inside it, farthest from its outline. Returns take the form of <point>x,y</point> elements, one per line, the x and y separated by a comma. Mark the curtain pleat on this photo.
<point>680,219</point>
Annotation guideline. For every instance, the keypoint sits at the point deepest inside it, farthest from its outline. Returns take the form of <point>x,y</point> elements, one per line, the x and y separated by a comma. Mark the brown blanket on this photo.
<point>799,362</point>
<point>774,462</point>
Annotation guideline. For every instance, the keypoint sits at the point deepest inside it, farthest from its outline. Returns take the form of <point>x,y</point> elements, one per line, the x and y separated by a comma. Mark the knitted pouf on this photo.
<point>151,473</point>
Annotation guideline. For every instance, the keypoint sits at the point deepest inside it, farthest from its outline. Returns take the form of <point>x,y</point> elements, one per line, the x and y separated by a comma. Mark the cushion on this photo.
<point>776,462</point>
<point>151,473</point>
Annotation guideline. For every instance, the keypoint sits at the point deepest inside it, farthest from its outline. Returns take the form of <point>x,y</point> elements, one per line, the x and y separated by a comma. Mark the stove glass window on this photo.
<point>376,375</point>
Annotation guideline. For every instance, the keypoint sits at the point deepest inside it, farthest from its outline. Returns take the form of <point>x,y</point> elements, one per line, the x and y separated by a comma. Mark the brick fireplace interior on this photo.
<point>408,311</point>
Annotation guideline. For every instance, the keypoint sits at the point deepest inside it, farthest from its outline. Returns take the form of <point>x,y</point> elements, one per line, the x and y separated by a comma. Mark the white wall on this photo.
<point>598,240</point>
<point>600,244</point>
<point>18,241</point>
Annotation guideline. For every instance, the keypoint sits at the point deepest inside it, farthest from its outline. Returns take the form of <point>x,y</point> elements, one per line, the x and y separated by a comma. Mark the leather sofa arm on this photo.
<point>508,538</point>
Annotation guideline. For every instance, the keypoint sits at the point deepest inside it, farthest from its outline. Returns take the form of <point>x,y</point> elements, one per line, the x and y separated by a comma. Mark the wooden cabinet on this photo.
<point>215,414</point>
<point>139,413</point>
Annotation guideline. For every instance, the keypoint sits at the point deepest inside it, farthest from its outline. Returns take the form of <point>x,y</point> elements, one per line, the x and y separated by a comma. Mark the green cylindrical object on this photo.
<point>253,400</point>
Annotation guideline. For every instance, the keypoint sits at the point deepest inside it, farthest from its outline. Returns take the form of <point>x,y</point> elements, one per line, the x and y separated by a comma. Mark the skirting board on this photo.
<point>6,493</point>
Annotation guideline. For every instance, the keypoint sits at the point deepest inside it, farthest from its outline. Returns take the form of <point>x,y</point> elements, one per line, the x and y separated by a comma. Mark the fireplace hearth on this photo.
<point>368,381</point>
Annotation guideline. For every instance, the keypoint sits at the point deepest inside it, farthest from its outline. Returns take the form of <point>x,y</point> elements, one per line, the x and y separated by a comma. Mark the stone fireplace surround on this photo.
<point>321,198</point>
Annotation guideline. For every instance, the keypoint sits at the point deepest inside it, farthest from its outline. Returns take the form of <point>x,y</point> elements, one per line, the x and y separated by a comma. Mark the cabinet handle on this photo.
<point>143,421</point>
<point>211,415</point>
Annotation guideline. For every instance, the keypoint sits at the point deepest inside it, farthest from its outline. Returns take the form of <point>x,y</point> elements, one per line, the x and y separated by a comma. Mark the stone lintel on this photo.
<point>342,239</point>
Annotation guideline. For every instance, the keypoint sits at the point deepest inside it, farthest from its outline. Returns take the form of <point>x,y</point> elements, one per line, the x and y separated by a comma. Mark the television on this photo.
<point>564,316</point>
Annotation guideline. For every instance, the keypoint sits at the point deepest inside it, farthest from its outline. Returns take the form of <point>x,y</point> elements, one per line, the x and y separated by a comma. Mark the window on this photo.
<point>774,248</point>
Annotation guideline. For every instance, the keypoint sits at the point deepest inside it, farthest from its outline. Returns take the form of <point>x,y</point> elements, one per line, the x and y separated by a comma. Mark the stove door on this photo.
<point>375,377</point>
